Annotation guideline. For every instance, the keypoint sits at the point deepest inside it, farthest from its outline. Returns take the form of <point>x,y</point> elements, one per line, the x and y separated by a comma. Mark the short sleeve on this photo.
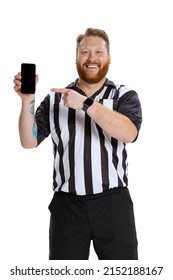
<point>129,105</point>
<point>42,120</point>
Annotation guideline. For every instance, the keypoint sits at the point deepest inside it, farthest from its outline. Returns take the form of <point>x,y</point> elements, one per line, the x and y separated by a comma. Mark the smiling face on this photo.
<point>92,59</point>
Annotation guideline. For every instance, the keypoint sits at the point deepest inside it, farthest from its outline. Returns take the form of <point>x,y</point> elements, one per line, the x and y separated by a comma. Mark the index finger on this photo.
<point>18,76</point>
<point>63,90</point>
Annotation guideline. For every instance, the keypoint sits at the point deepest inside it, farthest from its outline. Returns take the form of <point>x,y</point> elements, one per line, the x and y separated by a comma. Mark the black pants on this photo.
<point>107,219</point>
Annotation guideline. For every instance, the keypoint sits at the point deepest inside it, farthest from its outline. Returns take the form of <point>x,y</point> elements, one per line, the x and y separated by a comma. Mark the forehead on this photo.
<point>92,42</point>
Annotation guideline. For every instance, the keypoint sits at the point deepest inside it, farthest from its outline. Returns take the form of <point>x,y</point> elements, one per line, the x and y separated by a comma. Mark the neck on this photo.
<point>90,89</point>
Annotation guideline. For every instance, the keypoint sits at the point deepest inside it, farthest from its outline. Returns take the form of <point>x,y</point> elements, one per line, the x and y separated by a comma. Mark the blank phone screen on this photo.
<point>28,71</point>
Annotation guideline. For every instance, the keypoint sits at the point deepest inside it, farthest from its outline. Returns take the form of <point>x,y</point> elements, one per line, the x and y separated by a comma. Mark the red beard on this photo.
<point>92,78</point>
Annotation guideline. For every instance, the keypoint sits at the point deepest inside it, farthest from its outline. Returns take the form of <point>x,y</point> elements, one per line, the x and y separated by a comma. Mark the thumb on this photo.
<point>36,78</point>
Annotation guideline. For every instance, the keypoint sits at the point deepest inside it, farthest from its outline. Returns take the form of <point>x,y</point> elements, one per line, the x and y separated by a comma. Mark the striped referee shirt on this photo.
<point>86,159</point>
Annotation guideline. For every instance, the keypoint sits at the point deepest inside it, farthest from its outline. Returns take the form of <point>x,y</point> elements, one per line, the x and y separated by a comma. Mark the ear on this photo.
<point>109,58</point>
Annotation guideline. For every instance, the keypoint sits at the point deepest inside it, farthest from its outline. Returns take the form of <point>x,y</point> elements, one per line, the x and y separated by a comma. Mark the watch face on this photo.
<point>87,103</point>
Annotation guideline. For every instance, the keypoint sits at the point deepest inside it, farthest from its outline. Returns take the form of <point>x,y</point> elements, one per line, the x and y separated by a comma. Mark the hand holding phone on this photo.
<point>28,72</point>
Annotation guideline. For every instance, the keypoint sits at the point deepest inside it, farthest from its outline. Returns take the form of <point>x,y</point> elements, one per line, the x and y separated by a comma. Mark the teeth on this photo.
<point>92,66</point>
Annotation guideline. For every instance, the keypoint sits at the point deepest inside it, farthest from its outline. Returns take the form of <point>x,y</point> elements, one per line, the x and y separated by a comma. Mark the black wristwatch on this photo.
<point>87,103</point>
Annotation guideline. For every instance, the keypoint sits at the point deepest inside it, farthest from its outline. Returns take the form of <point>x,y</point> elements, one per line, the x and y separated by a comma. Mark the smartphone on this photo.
<point>28,72</point>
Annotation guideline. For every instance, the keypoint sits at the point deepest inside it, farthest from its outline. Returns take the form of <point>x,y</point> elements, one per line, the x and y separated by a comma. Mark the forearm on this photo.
<point>113,123</point>
<point>27,125</point>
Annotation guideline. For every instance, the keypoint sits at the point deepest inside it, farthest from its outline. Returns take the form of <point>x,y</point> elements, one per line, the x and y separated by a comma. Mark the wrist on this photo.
<point>27,98</point>
<point>26,103</point>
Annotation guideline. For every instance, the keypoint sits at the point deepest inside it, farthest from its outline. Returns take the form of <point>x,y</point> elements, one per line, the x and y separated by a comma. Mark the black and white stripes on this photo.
<point>86,160</point>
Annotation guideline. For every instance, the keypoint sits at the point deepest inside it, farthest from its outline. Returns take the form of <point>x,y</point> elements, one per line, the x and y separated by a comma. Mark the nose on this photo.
<point>92,55</point>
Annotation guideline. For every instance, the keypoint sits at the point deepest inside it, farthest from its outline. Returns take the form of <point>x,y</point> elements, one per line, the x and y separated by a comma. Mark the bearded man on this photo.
<point>90,122</point>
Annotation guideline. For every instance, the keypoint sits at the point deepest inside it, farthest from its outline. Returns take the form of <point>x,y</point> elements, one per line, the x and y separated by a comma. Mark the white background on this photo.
<point>44,32</point>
